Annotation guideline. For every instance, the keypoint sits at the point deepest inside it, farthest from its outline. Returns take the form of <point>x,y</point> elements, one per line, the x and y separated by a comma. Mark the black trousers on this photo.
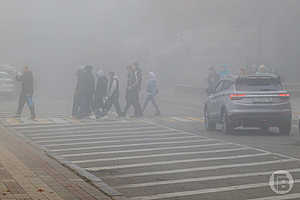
<point>113,101</point>
<point>85,105</point>
<point>133,99</point>
<point>25,98</point>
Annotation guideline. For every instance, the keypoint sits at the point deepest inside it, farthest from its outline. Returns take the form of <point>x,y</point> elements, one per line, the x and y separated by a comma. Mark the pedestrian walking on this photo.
<point>224,72</point>
<point>129,90</point>
<point>137,86</point>
<point>152,91</point>
<point>100,93</point>
<point>212,80</point>
<point>113,94</point>
<point>27,92</point>
<point>76,99</point>
<point>86,92</point>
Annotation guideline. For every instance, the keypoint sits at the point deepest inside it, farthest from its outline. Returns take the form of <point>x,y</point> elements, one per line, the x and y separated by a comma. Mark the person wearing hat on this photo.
<point>27,92</point>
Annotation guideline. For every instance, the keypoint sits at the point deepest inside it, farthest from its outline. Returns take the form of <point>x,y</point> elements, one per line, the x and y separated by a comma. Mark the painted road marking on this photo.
<point>97,136</point>
<point>159,155</point>
<point>143,139</point>
<point>80,134</point>
<point>145,150</point>
<point>13,121</point>
<point>189,138</point>
<point>197,169</point>
<point>143,136</point>
<point>195,119</point>
<point>66,126</point>
<point>130,145</point>
<point>204,191</point>
<point>175,162</point>
<point>180,119</point>
<point>148,184</point>
<point>281,197</point>
<point>87,130</point>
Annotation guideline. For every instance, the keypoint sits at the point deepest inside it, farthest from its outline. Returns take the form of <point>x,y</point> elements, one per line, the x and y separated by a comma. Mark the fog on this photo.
<point>178,39</point>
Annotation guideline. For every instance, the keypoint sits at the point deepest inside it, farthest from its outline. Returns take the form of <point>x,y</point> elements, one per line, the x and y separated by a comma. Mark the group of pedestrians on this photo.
<point>96,97</point>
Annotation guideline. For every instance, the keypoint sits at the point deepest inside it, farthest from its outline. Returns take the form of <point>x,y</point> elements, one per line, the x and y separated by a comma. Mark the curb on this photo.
<point>94,180</point>
<point>85,175</point>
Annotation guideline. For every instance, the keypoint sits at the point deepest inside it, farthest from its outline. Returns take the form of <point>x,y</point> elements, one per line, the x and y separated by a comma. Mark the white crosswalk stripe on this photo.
<point>185,138</point>
<point>130,145</point>
<point>145,150</point>
<point>158,155</point>
<point>205,191</point>
<point>174,162</point>
<point>146,161</point>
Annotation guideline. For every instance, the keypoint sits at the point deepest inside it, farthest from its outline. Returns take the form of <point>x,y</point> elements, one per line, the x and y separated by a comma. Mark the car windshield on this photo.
<point>259,84</point>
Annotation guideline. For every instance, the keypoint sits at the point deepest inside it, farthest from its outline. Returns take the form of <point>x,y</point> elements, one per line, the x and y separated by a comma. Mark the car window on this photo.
<point>227,84</point>
<point>219,87</point>
<point>259,84</point>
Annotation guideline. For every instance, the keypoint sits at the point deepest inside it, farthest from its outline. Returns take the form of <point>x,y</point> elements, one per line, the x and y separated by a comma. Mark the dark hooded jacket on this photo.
<point>86,84</point>
<point>27,82</point>
<point>101,88</point>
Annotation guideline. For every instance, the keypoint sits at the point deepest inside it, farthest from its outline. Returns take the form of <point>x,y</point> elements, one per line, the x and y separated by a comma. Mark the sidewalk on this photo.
<point>27,173</point>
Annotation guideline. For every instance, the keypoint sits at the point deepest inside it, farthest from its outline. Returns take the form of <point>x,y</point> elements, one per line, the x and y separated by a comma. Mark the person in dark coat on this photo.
<point>100,93</point>
<point>27,92</point>
<point>86,90</point>
<point>76,100</point>
<point>113,94</point>
<point>129,90</point>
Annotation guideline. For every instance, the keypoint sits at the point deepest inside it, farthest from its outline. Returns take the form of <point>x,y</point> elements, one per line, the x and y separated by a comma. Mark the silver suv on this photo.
<point>249,101</point>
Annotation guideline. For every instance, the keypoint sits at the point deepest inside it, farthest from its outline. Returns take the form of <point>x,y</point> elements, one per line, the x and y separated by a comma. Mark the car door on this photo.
<point>214,99</point>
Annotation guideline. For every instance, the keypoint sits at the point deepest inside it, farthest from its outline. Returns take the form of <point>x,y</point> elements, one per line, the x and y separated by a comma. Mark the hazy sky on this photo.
<point>178,36</point>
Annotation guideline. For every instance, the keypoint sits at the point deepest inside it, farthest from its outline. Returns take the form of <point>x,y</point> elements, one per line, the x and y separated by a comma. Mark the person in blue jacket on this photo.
<point>225,72</point>
<point>152,91</point>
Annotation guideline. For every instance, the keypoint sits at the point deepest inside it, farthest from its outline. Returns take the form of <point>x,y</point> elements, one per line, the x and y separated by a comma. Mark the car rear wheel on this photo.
<point>209,124</point>
<point>285,128</point>
<point>227,127</point>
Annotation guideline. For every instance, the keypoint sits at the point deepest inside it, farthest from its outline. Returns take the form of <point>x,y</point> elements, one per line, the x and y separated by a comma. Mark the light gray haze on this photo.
<point>178,39</point>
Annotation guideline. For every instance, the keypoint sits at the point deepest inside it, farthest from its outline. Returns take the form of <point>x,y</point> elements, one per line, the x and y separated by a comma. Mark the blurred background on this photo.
<point>178,39</point>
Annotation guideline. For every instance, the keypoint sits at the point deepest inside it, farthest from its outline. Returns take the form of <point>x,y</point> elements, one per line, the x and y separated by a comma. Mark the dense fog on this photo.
<point>178,39</point>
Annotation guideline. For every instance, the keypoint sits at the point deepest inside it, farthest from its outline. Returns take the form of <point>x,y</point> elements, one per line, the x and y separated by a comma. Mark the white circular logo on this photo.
<point>281,182</point>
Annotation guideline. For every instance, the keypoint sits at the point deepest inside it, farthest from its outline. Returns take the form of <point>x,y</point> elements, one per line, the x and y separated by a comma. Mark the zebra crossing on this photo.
<point>146,161</point>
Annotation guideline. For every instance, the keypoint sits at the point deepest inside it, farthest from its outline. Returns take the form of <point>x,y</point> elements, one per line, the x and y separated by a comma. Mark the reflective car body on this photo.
<point>257,100</point>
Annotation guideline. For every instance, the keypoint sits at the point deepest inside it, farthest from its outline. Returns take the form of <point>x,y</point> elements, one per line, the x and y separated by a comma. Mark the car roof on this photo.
<point>259,75</point>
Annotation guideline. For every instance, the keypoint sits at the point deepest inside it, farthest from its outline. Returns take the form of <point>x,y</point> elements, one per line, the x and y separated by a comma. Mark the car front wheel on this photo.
<point>226,124</point>
<point>209,124</point>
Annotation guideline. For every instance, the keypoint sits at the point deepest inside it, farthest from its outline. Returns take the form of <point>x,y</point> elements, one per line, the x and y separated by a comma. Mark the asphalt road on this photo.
<point>169,157</point>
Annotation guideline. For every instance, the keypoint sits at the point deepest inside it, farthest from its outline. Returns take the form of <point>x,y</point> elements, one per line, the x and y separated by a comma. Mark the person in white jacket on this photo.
<point>113,94</point>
